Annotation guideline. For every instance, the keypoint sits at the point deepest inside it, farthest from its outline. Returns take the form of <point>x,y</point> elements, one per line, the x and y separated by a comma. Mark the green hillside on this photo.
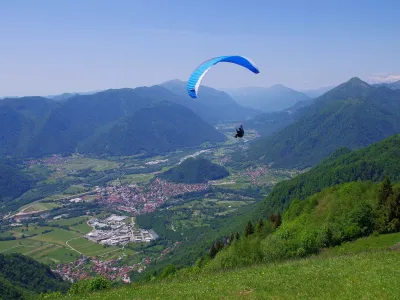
<point>155,130</point>
<point>369,163</point>
<point>195,170</point>
<point>22,277</point>
<point>342,277</point>
<point>353,115</point>
<point>336,215</point>
<point>13,183</point>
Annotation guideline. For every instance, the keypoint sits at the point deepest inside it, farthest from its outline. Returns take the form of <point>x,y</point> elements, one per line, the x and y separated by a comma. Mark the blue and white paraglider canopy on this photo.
<point>198,74</point>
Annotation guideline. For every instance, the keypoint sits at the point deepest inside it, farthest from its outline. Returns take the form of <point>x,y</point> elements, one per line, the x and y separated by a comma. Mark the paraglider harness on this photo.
<point>239,132</point>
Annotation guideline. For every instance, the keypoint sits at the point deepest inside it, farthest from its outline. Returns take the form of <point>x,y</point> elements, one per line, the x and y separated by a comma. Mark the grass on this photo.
<point>57,236</point>
<point>371,243</point>
<point>75,189</point>
<point>97,165</point>
<point>199,213</point>
<point>52,247</point>
<point>372,275</point>
<point>83,228</point>
<point>134,178</point>
<point>69,221</point>
<point>89,248</point>
<point>47,253</point>
<point>38,206</point>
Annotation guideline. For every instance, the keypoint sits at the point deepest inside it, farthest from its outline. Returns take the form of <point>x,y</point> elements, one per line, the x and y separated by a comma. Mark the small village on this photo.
<point>137,199</point>
<point>87,267</point>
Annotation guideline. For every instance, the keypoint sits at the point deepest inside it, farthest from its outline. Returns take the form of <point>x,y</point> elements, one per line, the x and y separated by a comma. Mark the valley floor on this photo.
<point>372,275</point>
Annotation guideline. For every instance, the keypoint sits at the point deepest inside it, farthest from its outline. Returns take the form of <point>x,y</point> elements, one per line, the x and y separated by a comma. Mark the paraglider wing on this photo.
<point>198,74</point>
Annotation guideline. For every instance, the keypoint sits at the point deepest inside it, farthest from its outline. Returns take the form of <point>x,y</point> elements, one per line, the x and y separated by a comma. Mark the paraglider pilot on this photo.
<point>239,132</point>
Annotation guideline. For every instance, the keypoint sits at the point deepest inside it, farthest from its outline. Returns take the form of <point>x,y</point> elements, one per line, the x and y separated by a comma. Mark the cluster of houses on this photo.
<point>138,200</point>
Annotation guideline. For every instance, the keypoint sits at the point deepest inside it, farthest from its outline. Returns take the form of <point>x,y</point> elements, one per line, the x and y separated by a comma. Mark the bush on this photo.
<point>90,285</point>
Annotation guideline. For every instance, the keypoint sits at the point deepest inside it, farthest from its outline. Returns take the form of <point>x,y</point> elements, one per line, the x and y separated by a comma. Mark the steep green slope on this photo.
<point>370,163</point>
<point>343,277</point>
<point>24,278</point>
<point>195,170</point>
<point>13,183</point>
<point>15,131</point>
<point>159,129</point>
<point>33,108</point>
<point>353,114</point>
<point>81,116</point>
<point>337,214</point>
<point>20,120</point>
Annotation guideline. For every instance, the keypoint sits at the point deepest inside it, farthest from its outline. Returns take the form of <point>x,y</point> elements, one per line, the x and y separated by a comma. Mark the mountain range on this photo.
<point>275,98</point>
<point>212,105</point>
<point>354,114</point>
<point>117,122</point>
<point>391,85</point>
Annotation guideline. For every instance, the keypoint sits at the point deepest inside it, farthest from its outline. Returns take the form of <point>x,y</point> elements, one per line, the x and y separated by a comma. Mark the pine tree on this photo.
<point>231,238</point>
<point>276,220</point>
<point>387,207</point>
<point>385,190</point>
<point>219,246</point>
<point>259,225</point>
<point>213,251</point>
<point>249,229</point>
<point>237,236</point>
<point>393,213</point>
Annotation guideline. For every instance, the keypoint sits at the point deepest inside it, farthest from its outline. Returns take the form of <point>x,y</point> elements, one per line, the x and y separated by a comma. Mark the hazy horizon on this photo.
<point>53,47</point>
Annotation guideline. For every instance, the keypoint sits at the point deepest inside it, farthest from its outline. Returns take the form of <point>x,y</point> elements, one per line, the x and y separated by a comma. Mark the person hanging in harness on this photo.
<point>239,132</point>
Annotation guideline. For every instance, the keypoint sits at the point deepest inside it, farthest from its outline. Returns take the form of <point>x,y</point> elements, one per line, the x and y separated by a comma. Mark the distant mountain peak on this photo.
<point>353,88</point>
<point>357,81</point>
<point>173,81</point>
<point>278,85</point>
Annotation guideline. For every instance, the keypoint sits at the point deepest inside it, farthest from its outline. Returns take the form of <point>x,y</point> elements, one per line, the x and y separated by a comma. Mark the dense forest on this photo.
<point>13,183</point>
<point>22,277</point>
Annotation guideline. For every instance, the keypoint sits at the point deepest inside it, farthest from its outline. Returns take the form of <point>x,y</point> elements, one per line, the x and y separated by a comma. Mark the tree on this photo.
<point>231,238</point>
<point>249,229</point>
<point>388,219</point>
<point>213,251</point>
<point>385,190</point>
<point>259,225</point>
<point>276,220</point>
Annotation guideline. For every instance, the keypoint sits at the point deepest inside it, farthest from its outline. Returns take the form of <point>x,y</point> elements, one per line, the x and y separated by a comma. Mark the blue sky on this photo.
<point>50,47</point>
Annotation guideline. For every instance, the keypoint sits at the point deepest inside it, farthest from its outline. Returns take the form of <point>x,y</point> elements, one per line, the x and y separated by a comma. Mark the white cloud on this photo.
<point>383,78</point>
